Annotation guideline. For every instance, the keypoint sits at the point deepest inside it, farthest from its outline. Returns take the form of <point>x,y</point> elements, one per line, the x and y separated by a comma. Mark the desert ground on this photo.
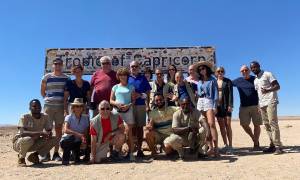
<point>243,164</point>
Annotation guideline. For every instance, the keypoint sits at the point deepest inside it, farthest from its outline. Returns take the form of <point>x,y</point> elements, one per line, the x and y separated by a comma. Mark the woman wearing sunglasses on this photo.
<point>207,102</point>
<point>225,105</point>
<point>122,100</point>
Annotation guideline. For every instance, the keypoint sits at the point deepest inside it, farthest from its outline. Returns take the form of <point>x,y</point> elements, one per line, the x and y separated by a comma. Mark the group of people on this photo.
<point>129,107</point>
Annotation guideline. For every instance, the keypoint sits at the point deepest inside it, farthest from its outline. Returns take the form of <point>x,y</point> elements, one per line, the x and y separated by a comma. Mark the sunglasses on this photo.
<point>202,68</point>
<point>102,109</point>
<point>220,71</point>
<point>158,74</point>
<point>105,63</point>
<point>57,64</point>
<point>134,66</point>
<point>244,70</point>
<point>171,69</point>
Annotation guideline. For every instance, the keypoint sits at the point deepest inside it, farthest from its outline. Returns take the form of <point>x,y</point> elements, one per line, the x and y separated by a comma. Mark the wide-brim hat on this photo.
<point>77,102</point>
<point>205,63</point>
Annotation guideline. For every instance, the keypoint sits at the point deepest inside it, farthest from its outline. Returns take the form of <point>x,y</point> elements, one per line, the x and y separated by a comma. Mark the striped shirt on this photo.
<point>54,89</point>
<point>162,119</point>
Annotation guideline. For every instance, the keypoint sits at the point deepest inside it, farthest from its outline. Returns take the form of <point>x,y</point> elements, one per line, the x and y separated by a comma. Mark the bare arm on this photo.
<point>66,96</point>
<point>43,88</point>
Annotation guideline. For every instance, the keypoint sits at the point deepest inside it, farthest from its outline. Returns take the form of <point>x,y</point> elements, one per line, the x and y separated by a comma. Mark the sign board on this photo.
<point>154,58</point>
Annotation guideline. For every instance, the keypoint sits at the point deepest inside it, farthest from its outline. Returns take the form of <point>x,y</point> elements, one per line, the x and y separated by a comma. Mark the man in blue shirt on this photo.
<point>142,92</point>
<point>249,105</point>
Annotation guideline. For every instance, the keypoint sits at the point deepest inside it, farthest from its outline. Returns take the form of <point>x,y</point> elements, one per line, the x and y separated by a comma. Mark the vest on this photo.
<point>97,124</point>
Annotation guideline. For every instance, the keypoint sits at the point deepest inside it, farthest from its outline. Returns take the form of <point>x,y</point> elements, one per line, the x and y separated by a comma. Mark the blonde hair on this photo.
<point>220,68</point>
<point>122,71</point>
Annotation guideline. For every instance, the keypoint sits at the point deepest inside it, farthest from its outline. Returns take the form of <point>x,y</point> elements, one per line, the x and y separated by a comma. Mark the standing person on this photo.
<point>183,89</point>
<point>142,92</point>
<point>172,69</point>
<point>224,108</point>
<point>77,88</point>
<point>75,132</point>
<point>31,135</point>
<point>122,100</point>
<point>207,92</point>
<point>148,74</point>
<point>52,89</point>
<point>106,130</point>
<point>101,83</point>
<point>249,109</point>
<point>267,86</point>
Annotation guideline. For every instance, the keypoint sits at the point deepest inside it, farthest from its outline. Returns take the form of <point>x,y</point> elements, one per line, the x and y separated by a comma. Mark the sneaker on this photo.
<point>21,162</point>
<point>45,158</point>
<point>224,149</point>
<point>229,150</point>
<point>278,151</point>
<point>131,157</point>
<point>56,157</point>
<point>140,154</point>
<point>270,149</point>
<point>34,158</point>
<point>115,156</point>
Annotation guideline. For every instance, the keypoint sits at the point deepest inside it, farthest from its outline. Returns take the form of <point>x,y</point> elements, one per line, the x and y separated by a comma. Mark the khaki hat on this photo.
<point>205,63</point>
<point>77,102</point>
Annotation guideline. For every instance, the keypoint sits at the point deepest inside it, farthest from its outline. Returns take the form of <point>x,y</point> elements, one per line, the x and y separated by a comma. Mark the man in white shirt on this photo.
<point>267,87</point>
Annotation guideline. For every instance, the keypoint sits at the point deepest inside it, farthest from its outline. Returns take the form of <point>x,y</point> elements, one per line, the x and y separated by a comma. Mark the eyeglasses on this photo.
<point>102,109</point>
<point>133,66</point>
<point>105,63</point>
<point>171,69</point>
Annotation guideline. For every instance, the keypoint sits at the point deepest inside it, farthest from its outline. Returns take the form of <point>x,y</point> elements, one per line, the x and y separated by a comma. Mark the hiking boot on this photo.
<point>21,162</point>
<point>34,158</point>
<point>140,154</point>
<point>56,157</point>
<point>270,149</point>
<point>278,151</point>
<point>229,150</point>
<point>45,158</point>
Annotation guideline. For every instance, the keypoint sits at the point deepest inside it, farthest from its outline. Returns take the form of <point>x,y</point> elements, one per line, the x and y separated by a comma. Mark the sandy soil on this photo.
<point>244,164</point>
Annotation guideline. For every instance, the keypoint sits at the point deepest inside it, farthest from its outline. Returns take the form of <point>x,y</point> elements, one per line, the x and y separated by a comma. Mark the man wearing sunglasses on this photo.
<point>101,83</point>
<point>248,105</point>
<point>106,130</point>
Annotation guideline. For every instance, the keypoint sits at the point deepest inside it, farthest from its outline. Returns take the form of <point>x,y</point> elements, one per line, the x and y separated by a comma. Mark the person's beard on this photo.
<point>161,105</point>
<point>186,110</point>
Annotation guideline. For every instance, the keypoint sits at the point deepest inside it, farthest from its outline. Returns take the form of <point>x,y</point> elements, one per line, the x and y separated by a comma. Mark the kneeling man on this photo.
<point>106,129</point>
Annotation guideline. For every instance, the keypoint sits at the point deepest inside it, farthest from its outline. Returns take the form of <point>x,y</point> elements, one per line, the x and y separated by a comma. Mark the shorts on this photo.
<point>139,114</point>
<point>56,114</point>
<point>250,112</point>
<point>126,116</point>
<point>222,112</point>
<point>159,137</point>
<point>204,104</point>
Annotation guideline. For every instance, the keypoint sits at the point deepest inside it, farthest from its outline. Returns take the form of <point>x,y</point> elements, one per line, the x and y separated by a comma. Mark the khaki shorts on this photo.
<point>159,137</point>
<point>56,114</point>
<point>248,113</point>
<point>139,114</point>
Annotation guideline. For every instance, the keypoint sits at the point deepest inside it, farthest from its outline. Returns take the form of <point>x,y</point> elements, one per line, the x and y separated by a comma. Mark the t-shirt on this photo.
<point>77,92</point>
<point>123,93</point>
<point>264,80</point>
<point>141,85</point>
<point>78,125</point>
<point>28,122</point>
<point>55,86</point>
<point>182,91</point>
<point>102,84</point>
<point>181,119</point>
<point>248,94</point>
<point>162,119</point>
<point>106,127</point>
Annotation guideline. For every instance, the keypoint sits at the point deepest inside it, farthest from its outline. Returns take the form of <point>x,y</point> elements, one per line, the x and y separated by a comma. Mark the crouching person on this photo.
<point>159,127</point>
<point>75,132</point>
<point>186,130</point>
<point>34,135</point>
<point>106,130</point>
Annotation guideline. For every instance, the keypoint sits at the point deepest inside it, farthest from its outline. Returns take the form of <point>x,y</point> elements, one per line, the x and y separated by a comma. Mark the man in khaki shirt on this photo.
<point>31,135</point>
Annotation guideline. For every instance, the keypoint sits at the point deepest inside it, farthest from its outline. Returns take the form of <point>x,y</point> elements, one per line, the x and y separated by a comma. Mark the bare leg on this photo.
<point>58,134</point>
<point>248,130</point>
<point>221,122</point>
<point>211,122</point>
<point>229,130</point>
<point>256,134</point>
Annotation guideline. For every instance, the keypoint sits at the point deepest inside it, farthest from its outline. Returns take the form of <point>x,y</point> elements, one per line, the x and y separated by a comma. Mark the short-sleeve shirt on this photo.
<point>248,94</point>
<point>55,86</point>
<point>209,89</point>
<point>264,80</point>
<point>106,127</point>
<point>77,92</point>
<point>181,119</point>
<point>78,125</point>
<point>141,85</point>
<point>102,83</point>
<point>162,119</point>
<point>182,91</point>
<point>28,122</point>
<point>123,93</point>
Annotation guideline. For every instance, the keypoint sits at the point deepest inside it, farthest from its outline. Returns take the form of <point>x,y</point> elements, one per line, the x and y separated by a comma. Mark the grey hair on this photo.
<point>104,102</point>
<point>105,58</point>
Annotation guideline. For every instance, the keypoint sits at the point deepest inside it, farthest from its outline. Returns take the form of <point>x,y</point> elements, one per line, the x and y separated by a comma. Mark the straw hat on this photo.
<point>205,63</point>
<point>77,102</point>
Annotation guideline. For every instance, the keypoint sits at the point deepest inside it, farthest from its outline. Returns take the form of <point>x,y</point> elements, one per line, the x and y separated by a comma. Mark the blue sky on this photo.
<point>239,30</point>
